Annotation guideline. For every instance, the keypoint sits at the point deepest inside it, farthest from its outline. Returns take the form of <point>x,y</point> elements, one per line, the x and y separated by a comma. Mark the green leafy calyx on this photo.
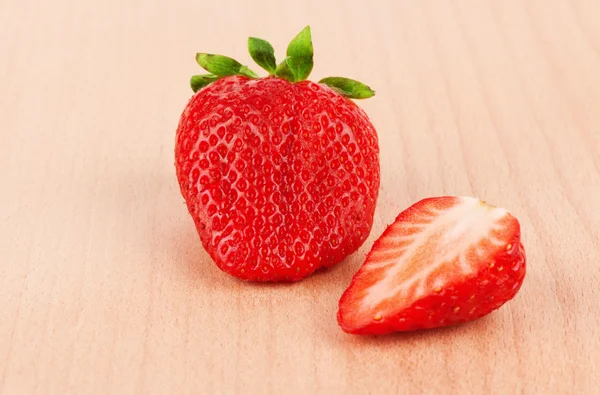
<point>349,88</point>
<point>222,66</point>
<point>299,61</point>
<point>295,67</point>
<point>200,81</point>
<point>263,54</point>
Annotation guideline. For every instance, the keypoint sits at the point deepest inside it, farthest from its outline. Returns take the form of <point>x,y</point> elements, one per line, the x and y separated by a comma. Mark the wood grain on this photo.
<point>105,288</point>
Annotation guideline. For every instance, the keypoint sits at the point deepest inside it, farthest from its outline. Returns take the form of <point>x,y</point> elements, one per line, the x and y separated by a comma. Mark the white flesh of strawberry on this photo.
<point>436,245</point>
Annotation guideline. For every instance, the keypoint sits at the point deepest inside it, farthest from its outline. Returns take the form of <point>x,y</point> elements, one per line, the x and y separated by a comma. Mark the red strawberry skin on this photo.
<point>448,296</point>
<point>280,178</point>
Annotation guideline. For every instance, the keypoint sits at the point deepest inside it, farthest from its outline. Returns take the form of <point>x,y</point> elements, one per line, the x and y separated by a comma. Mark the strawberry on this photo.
<point>279,174</point>
<point>444,261</point>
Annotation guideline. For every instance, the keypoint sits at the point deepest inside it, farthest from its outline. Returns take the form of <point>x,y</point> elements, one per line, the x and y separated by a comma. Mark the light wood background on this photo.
<point>105,288</point>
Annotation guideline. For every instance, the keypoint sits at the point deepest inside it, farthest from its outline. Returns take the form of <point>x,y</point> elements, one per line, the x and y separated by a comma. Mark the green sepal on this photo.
<point>262,53</point>
<point>246,71</point>
<point>299,62</point>
<point>350,88</point>
<point>296,66</point>
<point>300,52</point>
<point>223,66</point>
<point>284,71</point>
<point>198,82</point>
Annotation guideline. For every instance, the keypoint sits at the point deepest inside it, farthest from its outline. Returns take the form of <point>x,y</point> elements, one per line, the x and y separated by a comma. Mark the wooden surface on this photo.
<point>105,288</point>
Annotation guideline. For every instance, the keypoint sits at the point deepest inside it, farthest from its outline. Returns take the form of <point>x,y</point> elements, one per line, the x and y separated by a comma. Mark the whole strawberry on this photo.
<point>280,174</point>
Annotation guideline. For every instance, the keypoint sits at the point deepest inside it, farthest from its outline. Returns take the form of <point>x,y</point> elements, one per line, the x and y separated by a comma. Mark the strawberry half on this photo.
<point>444,261</point>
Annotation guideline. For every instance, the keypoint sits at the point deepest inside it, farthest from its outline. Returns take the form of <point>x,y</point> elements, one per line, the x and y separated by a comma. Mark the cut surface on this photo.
<point>434,245</point>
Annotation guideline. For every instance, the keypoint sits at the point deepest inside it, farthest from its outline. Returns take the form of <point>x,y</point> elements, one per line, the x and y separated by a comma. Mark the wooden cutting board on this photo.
<point>105,288</point>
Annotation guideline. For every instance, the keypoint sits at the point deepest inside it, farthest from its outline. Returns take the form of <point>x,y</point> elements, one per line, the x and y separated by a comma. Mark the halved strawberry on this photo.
<point>443,261</point>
